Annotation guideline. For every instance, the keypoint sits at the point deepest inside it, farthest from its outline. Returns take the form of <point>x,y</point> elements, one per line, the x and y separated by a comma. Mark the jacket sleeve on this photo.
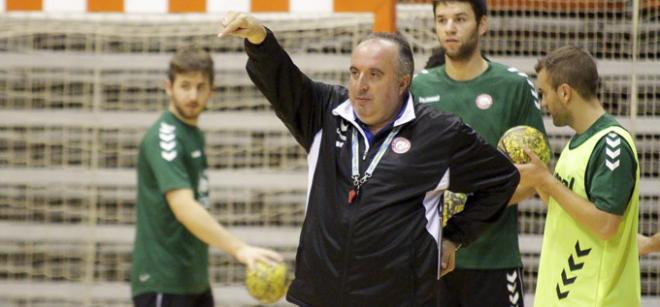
<point>489,179</point>
<point>298,101</point>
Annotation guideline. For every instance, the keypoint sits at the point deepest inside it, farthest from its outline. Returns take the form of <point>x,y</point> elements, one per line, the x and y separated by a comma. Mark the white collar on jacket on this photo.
<point>345,110</point>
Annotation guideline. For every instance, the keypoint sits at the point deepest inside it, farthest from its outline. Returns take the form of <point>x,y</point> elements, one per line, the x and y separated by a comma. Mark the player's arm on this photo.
<point>602,212</point>
<point>648,245</point>
<point>602,224</point>
<point>522,192</point>
<point>543,195</point>
<point>201,224</point>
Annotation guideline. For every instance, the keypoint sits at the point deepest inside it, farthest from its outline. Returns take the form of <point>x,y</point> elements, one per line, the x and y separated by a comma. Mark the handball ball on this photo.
<point>453,204</point>
<point>267,283</point>
<point>514,140</point>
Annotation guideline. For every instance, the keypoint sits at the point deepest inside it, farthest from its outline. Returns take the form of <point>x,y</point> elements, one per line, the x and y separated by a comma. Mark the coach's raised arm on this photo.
<point>378,167</point>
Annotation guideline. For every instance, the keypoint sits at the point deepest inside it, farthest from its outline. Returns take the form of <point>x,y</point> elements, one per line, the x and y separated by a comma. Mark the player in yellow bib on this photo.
<point>589,255</point>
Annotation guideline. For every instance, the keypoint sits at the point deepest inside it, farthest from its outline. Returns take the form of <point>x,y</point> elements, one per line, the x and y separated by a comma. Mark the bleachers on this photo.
<point>77,93</point>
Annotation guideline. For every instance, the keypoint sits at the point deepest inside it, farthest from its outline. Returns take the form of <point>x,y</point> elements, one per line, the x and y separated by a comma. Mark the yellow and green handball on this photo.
<point>453,203</point>
<point>513,142</point>
<point>267,283</point>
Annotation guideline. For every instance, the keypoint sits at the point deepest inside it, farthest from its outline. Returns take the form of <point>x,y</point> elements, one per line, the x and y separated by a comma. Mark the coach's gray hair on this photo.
<point>406,61</point>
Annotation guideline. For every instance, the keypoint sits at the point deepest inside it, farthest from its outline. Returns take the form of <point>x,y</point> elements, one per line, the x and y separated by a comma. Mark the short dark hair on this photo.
<point>479,7</point>
<point>406,61</point>
<point>191,58</point>
<point>573,66</point>
<point>436,59</point>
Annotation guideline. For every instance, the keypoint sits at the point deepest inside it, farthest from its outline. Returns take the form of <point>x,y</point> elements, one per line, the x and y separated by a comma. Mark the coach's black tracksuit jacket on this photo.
<point>382,249</point>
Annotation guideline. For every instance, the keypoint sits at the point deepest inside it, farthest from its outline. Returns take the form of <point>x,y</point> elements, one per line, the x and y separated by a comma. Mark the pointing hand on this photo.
<point>243,26</point>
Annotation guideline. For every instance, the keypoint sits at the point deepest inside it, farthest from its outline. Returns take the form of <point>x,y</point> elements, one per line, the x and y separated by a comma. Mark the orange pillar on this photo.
<point>24,5</point>
<point>384,11</point>
<point>98,6</point>
<point>269,5</point>
<point>187,6</point>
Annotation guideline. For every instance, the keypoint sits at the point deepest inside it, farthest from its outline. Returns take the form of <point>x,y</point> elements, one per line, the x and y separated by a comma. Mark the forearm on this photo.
<point>201,224</point>
<point>653,244</point>
<point>297,100</point>
<point>543,195</point>
<point>521,193</point>
<point>600,223</point>
<point>491,187</point>
<point>273,72</point>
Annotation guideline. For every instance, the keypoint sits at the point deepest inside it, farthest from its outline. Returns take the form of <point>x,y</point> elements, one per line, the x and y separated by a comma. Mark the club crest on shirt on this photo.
<point>400,145</point>
<point>484,101</point>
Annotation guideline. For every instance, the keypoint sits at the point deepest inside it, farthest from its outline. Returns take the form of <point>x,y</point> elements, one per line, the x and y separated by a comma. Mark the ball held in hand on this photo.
<point>453,203</point>
<point>513,143</point>
<point>267,283</point>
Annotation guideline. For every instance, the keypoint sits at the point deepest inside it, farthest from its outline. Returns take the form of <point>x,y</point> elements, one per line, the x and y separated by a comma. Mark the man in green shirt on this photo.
<point>491,98</point>
<point>174,228</point>
<point>589,255</point>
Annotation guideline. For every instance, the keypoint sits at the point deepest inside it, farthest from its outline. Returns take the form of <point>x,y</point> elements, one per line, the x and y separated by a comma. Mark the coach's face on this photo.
<point>375,88</point>
<point>189,94</point>
<point>458,30</point>
<point>551,100</point>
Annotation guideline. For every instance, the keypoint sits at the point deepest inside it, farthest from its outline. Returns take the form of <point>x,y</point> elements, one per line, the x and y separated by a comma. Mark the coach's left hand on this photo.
<point>448,258</point>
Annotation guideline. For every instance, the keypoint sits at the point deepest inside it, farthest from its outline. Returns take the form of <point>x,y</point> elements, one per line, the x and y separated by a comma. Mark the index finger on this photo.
<point>274,255</point>
<point>532,155</point>
<point>228,24</point>
<point>228,18</point>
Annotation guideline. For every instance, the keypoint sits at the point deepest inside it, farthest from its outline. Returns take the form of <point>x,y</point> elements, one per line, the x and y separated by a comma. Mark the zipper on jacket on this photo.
<point>366,148</point>
<point>353,209</point>
<point>364,140</point>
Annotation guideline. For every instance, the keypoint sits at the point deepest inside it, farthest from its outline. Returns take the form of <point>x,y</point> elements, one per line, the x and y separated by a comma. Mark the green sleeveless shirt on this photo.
<point>576,267</point>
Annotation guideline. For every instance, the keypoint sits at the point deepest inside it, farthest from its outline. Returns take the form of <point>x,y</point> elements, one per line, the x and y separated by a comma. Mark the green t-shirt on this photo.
<point>167,258</point>
<point>500,98</point>
<point>610,176</point>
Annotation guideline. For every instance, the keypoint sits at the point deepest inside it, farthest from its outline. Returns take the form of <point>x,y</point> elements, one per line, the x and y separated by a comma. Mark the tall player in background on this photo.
<point>174,228</point>
<point>491,98</point>
<point>589,256</point>
<point>436,59</point>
